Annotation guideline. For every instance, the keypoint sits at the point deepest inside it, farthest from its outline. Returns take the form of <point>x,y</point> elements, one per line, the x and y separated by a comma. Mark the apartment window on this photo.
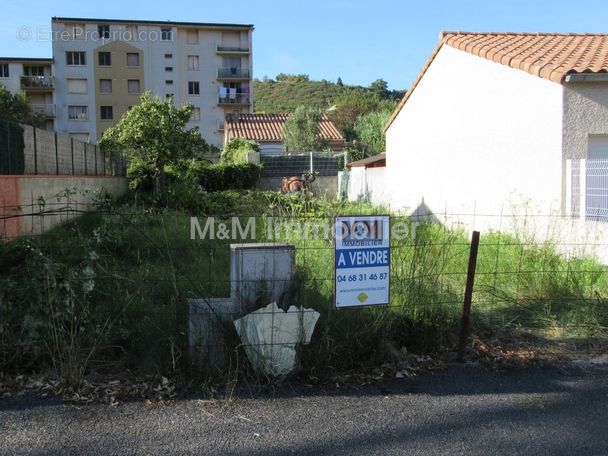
<point>131,33</point>
<point>107,113</point>
<point>105,58</point>
<point>82,137</point>
<point>196,114</point>
<point>77,86</point>
<point>193,62</point>
<point>4,70</point>
<point>76,31</point>
<point>166,34</point>
<point>168,56</point>
<point>105,86</point>
<point>33,70</point>
<point>169,82</point>
<point>193,88</point>
<point>78,112</point>
<point>104,31</point>
<point>76,58</point>
<point>169,69</point>
<point>132,59</point>
<point>192,37</point>
<point>133,86</point>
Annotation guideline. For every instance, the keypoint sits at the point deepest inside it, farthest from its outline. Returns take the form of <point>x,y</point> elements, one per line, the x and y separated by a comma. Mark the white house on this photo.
<point>498,126</point>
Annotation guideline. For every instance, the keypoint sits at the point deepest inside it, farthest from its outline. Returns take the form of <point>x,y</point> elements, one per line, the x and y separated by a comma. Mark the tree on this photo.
<point>154,131</point>
<point>18,108</point>
<point>339,82</point>
<point>380,88</point>
<point>237,149</point>
<point>301,132</point>
<point>369,129</point>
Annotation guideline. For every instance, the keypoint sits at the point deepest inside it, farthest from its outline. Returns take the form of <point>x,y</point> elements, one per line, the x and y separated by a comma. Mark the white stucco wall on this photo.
<point>585,113</point>
<point>477,137</point>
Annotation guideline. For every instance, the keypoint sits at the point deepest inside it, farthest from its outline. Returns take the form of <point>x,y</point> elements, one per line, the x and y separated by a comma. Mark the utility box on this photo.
<point>259,274</point>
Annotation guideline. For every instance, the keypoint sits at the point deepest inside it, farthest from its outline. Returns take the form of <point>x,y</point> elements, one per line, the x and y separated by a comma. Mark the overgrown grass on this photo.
<point>124,276</point>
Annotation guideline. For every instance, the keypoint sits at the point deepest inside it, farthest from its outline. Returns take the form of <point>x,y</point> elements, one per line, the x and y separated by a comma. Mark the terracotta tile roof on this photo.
<point>551,56</point>
<point>269,128</point>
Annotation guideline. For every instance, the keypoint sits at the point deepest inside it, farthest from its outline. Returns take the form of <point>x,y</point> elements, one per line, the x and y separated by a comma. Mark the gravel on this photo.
<point>463,410</point>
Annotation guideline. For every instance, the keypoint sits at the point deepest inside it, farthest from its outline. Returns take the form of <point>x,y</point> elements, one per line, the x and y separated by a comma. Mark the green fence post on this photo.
<point>8,144</point>
<point>56,156</point>
<point>72,150</point>
<point>35,152</point>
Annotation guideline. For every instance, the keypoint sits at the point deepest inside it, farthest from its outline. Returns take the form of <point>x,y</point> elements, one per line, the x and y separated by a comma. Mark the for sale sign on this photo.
<point>362,260</point>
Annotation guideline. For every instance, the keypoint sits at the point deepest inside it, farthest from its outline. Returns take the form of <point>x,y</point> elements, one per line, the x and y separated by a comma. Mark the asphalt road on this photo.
<point>459,411</point>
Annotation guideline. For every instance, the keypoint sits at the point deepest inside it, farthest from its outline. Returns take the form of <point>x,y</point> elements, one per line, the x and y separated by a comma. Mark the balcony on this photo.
<point>233,73</point>
<point>226,49</point>
<point>42,83</point>
<point>238,99</point>
<point>47,110</point>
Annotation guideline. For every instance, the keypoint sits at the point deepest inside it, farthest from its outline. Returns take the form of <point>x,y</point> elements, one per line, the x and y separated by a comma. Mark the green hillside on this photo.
<point>341,102</point>
<point>286,92</point>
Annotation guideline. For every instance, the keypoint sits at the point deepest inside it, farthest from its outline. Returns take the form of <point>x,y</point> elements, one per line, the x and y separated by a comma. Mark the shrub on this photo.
<point>237,149</point>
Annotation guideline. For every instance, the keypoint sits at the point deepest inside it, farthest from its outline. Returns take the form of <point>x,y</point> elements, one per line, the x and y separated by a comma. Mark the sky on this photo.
<point>359,41</point>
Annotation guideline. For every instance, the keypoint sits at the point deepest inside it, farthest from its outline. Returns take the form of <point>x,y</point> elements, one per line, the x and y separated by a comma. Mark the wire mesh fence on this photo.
<point>148,288</point>
<point>28,150</point>
<point>322,164</point>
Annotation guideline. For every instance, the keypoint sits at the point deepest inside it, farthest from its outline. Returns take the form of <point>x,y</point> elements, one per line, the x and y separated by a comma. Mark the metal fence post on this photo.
<point>56,156</point>
<point>8,144</point>
<point>468,295</point>
<point>86,169</point>
<point>72,150</point>
<point>95,149</point>
<point>311,166</point>
<point>35,152</point>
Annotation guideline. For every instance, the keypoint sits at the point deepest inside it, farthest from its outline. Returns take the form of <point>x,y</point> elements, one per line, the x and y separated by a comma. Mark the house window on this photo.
<point>193,62</point>
<point>193,88</point>
<point>4,70</point>
<point>75,58</point>
<point>133,86</point>
<point>169,69</point>
<point>132,59</point>
<point>169,82</point>
<point>105,58</point>
<point>104,31</point>
<point>77,86</point>
<point>33,70</point>
<point>78,112</point>
<point>192,37</point>
<point>131,33</point>
<point>105,86</point>
<point>196,114</point>
<point>166,34</point>
<point>107,113</point>
<point>168,56</point>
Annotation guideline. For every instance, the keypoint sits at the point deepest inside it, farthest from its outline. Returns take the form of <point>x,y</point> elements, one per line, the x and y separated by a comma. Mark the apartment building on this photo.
<point>100,67</point>
<point>34,76</point>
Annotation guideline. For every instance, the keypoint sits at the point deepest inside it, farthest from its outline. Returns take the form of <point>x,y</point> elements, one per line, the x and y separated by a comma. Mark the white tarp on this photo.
<point>270,335</point>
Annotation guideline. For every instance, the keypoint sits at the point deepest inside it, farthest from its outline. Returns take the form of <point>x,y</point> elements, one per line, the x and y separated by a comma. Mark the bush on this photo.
<point>237,149</point>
